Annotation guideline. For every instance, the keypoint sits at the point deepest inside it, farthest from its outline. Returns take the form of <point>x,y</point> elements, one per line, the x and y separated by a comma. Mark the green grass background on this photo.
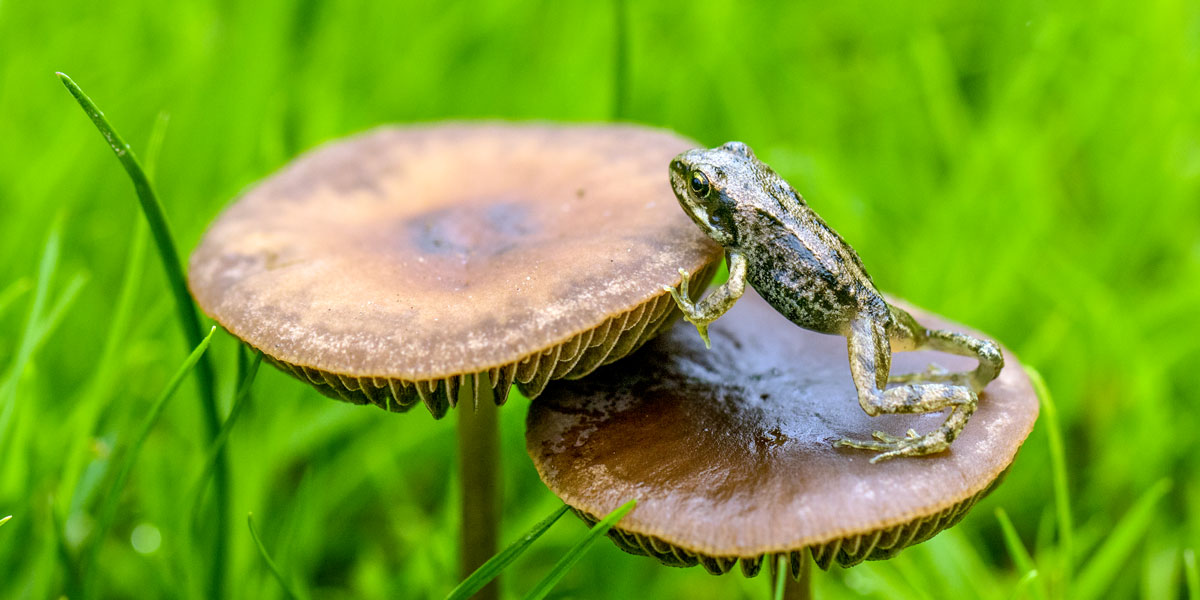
<point>1030,168</point>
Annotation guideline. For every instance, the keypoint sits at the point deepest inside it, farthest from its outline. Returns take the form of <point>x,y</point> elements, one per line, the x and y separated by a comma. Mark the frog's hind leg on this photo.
<point>909,335</point>
<point>870,348</point>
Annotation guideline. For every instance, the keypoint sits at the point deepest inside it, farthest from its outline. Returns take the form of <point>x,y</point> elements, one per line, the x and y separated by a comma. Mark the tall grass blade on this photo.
<point>1023,584</point>
<point>1095,577</point>
<point>573,555</point>
<point>496,564</point>
<point>108,510</point>
<point>1191,574</point>
<point>620,59</point>
<point>92,401</point>
<point>8,384</point>
<point>14,290</point>
<point>217,445</point>
<point>151,208</point>
<point>5,519</point>
<point>781,576</point>
<point>1058,468</point>
<point>154,143</point>
<point>185,311</point>
<point>1020,556</point>
<point>70,566</point>
<point>262,551</point>
<point>38,326</point>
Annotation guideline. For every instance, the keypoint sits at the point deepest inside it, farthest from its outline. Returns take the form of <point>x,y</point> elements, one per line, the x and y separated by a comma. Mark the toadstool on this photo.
<point>418,264</point>
<point>730,451</point>
<point>405,262</point>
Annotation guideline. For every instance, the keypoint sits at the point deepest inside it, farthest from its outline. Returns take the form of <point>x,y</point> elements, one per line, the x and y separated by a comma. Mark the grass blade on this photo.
<point>214,449</point>
<point>70,566</point>
<point>154,143</point>
<point>781,576</point>
<point>1023,584</point>
<point>496,564</point>
<point>5,519</point>
<point>151,208</point>
<point>38,326</point>
<point>82,422</point>
<point>186,312</point>
<point>1190,573</point>
<point>12,292</point>
<point>620,59</point>
<point>262,550</point>
<point>1058,468</point>
<point>109,510</point>
<point>1095,578</point>
<point>576,552</point>
<point>1020,556</point>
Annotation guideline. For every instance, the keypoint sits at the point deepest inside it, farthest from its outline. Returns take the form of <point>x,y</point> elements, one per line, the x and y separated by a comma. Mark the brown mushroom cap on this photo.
<point>404,262</point>
<point>730,453</point>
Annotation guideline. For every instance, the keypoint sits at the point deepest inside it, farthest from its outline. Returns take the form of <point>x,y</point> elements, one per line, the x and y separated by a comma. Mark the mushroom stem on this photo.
<point>478,461</point>
<point>798,587</point>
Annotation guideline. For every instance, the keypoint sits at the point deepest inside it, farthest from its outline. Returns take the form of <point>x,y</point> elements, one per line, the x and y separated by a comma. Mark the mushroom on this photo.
<point>404,263</point>
<point>730,451</point>
<point>445,262</point>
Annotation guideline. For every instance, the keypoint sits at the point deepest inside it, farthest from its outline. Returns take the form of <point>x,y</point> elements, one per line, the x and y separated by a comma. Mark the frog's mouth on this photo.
<point>686,202</point>
<point>690,206</point>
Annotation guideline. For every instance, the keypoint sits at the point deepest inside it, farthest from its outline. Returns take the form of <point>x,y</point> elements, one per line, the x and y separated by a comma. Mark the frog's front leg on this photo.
<point>870,362</point>
<point>708,309</point>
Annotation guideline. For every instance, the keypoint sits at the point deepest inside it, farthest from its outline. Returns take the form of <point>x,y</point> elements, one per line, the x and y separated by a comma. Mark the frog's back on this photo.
<point>804,269</point>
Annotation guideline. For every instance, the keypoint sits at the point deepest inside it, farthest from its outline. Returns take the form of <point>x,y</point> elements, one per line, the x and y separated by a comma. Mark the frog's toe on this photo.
<point>876,445</point>
<point>685,278</point>
<point>934,373</point>
<point>888,438</point>
<point>885,437</point>
<point>889,446</point>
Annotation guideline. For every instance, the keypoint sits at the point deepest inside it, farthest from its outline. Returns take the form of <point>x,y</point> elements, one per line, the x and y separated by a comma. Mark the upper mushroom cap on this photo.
<point>421,254</point>
<point>730,452</point>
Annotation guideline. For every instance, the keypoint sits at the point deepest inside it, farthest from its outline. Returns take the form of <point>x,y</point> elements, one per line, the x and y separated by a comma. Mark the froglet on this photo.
<point>808,273</point>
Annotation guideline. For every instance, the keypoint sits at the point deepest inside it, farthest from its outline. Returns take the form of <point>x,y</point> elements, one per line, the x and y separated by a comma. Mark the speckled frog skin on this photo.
<point>811,275</point>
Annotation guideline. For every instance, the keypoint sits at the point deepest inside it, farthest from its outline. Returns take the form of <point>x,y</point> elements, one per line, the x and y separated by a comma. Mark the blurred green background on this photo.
<point>1030,168</point>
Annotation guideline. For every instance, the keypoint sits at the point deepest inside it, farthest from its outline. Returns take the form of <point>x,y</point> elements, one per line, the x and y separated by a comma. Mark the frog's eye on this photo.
<point>699,184</point>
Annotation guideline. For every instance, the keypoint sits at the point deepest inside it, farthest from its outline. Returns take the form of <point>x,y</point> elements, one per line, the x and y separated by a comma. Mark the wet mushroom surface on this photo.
<point>403,263</point>
<point>730,452</point>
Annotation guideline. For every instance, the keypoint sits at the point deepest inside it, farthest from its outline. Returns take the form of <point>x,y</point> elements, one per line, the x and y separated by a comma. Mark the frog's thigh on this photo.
<point>870,362</point>
<point>991,360</point>
<point>907,334</point>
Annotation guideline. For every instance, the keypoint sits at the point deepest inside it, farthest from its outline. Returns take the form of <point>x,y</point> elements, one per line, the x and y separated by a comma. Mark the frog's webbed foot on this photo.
<point>691,310</point>
<point>889,446</point>
<point>708,309</point>
<point>870,361</point>
<point>934,373</point>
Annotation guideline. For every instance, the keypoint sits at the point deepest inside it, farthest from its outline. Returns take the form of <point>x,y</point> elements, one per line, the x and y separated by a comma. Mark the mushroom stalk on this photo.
<point>478,467</point>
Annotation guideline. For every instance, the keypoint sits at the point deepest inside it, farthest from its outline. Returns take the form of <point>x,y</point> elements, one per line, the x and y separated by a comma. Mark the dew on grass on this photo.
<point>145,538</point>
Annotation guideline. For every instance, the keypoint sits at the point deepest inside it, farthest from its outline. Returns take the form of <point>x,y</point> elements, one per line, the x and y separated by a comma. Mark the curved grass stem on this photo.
<point>185,311</point>
<point>575,553</point>
<point>496,564</point>
<point>262,551</point>
<point>108,510</point>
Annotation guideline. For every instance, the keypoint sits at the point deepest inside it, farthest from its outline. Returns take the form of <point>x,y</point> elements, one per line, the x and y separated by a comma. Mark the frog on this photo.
<point>808,273</point>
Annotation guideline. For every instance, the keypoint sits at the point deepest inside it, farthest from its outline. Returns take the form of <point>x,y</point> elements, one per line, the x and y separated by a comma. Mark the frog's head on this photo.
<point>713,186</point>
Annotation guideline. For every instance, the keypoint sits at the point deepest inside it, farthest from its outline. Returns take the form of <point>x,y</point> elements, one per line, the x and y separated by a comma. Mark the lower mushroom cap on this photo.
<point>730,453</point>
<point>402,264</point>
